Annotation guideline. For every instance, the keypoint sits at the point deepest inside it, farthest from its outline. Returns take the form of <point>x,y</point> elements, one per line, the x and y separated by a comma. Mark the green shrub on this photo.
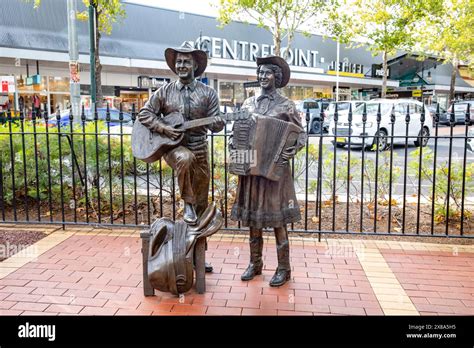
<point>438,191</point>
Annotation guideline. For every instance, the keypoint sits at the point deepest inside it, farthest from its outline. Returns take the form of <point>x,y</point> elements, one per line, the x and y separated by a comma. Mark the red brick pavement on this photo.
<point>436,282</point>
<point>102,275</point>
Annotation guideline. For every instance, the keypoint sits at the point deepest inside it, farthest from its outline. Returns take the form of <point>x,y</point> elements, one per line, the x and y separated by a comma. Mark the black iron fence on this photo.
<point>374,170</point>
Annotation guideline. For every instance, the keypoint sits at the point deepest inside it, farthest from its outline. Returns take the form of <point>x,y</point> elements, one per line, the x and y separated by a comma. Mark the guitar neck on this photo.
<point>208,120</point>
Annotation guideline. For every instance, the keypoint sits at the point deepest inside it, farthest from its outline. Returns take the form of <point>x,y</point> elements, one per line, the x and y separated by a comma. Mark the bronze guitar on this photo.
<point>150,146</point>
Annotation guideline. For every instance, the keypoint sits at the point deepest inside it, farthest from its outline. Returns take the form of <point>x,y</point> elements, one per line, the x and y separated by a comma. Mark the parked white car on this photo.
<point>416,134</point>
<point>470,140</point>
<point>342,109</point>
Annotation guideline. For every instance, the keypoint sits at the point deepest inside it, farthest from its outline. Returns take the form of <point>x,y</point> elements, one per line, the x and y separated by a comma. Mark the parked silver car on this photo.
<point>315,107</point>
<point>460,108</point>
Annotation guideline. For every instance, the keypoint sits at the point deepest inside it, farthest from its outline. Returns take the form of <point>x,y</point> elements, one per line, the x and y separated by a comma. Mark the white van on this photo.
<point>399,107</point>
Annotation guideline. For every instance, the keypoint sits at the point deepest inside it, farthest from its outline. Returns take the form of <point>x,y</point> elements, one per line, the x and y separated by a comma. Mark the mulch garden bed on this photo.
<point>423,223</point>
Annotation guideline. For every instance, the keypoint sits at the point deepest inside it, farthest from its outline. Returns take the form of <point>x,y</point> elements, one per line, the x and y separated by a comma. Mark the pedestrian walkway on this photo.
<point>88,271</point>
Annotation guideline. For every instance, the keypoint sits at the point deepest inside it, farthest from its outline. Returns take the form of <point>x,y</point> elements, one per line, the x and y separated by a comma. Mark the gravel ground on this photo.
<point>11,242</point>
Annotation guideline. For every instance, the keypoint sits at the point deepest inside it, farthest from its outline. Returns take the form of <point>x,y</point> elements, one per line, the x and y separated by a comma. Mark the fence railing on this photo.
<point>374,172</point>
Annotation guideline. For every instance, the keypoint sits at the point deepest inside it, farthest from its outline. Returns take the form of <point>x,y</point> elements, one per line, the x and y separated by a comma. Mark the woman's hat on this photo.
<point>200,57</point>
<point>285,68</point>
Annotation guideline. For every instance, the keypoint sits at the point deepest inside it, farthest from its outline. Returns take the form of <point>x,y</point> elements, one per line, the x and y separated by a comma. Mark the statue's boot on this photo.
<point>190,216</point>
<point>209,268</point>
<point>256,262</point>
<point>283,272</point>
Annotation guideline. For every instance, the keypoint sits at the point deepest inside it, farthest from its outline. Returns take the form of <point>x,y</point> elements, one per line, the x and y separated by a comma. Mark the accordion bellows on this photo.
<point>258,144</point>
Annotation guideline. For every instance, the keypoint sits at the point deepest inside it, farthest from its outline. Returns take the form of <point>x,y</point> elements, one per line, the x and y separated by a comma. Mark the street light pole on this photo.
<point>74,84</point>
<point>92,36</point>
<point>337,71</point>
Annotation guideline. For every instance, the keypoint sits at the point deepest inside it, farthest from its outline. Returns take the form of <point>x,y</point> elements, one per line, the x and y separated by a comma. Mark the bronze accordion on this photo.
<point>258,144</point>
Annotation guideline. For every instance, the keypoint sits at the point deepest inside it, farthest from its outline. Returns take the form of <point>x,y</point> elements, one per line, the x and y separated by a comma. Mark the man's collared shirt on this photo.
<point>201,100</point>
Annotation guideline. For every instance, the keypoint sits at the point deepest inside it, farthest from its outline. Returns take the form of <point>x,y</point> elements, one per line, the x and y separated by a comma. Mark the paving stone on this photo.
<point>90,274</point>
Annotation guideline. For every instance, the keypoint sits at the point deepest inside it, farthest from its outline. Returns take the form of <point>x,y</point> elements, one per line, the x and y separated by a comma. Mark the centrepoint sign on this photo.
<point>249,51</point>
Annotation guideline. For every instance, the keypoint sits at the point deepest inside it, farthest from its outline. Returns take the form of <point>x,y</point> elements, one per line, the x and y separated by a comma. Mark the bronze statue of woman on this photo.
<point>261,202</point>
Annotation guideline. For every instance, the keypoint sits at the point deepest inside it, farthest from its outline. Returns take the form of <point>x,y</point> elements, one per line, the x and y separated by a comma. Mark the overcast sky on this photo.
<point>202,7</point>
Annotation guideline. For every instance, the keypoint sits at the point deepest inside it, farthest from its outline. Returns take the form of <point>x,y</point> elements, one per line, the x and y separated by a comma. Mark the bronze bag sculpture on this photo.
<point>171,250</point>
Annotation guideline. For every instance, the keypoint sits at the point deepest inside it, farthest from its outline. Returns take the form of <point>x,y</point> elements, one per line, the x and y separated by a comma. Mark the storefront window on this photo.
<point>59,101</point>
<point>303,92</point>
<point>442,100</point>
<point>22,87</point>
<point>231,93</point>
<point>226,92</point>
<point>129,99</point>
<point>58,84</point>
<point>239,93</point>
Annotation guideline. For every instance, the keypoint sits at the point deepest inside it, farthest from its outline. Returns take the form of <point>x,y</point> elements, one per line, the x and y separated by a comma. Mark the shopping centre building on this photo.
<point>34,58</point>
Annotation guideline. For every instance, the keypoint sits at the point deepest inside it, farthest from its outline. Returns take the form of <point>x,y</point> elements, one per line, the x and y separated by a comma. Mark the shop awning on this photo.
<point>410,64</point>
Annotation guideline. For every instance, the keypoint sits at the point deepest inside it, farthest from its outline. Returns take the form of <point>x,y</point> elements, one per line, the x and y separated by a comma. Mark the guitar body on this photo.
<point>150,146</point>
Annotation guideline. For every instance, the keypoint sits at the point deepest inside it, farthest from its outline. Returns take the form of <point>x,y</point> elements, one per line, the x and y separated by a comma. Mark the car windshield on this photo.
<point>300,104</point>
<point>372,108</point>
<point>340,107</point>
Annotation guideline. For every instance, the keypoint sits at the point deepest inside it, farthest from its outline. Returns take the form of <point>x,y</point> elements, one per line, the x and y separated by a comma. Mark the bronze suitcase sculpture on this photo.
<point>171,250</point>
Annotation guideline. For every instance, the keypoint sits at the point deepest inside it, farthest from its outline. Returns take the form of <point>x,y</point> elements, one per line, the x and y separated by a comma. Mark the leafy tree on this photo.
<point>281,17</point>
<point>383,26</point>
<point>107,12</point>
<point>449,33</point>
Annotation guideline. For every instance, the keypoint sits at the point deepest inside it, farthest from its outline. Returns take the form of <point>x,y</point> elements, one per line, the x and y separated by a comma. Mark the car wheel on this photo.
<point>425,132</point>
<point>315,127</point>
<point>382,137</point>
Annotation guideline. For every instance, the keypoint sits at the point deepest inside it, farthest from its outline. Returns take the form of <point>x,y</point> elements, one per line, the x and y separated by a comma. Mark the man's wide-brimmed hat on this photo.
<point>285,68</point>
<point>200,57</point>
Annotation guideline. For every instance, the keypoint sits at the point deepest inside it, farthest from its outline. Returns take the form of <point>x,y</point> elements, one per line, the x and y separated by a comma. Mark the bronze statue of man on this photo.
<point>194,100</point>
<point>261,202</point>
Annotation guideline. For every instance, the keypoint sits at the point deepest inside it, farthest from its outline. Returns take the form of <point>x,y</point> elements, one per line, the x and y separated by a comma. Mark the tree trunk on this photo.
<point>98,66</point>
<point>277,42</point>
<point>277,36</point>
<point>290,40</point>
<point>453,79</point>
<point>384,80</point>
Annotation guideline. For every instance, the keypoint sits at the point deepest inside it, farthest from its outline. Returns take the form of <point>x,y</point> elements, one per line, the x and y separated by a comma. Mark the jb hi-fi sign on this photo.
<point>8,84</point>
